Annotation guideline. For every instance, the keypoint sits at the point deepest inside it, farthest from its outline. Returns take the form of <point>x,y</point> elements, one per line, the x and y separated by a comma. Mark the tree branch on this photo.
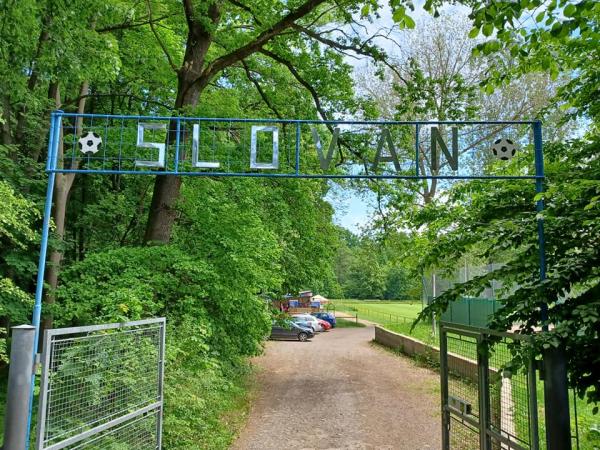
<point>313,93</point>
<point>364,49</point>
<point>247,9</point>
<point>255,45</point>
<point>131,96</point>
<point>189,12</point>
<point>128,25</point>
<point>298,78</point>
<point>160,42</point>
<point>316,100</point>
<point>260,90</point>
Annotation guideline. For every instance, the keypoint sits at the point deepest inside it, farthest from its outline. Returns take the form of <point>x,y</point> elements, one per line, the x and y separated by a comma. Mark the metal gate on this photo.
<point>489,390</point>
<point>102,387</point>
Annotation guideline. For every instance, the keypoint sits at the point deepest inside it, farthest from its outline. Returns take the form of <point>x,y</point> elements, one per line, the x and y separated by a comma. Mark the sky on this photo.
<point>352,211</point>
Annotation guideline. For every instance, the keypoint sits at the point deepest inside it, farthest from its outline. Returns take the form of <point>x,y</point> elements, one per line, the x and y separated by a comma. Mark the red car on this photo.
<point>324,324</point>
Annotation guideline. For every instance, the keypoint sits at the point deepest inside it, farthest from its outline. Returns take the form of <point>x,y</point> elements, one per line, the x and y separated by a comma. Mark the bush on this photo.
<point>208,335</point>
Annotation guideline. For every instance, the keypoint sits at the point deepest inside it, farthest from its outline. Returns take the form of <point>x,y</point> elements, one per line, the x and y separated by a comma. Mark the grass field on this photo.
<point>379,311</point>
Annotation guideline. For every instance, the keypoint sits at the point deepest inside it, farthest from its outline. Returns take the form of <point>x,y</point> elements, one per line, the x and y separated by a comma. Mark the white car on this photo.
<point>311,320</point>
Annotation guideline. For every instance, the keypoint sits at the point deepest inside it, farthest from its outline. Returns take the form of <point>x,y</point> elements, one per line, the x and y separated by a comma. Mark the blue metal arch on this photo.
<point>52,169</point>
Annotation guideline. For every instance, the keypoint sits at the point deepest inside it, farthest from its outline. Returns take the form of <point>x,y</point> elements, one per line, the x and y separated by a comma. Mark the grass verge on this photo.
<point>207,409</point>
<point>346,323</point>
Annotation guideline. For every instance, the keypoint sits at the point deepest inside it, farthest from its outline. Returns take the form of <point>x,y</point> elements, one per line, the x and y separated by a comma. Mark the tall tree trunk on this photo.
<point>190,85</point>
<point>162,209</point>
<point>43,38</point>
<point>5,133</point>
<point>192,79</point>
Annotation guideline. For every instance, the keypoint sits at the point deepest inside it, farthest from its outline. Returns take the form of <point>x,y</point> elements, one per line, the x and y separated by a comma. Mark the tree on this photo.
<point>373,266</point>
<point>43,82</point>
<point>16,239</point>
<point>222,35</point>
<point>560,40</point>
<point>437,75</point>
<point>500,216</point>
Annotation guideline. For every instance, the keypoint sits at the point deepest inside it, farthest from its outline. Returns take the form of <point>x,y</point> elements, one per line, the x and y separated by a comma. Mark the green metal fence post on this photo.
<point>533,405</point>
<point>469,311</point>
<point>484,392</point>
<point>444,388</point>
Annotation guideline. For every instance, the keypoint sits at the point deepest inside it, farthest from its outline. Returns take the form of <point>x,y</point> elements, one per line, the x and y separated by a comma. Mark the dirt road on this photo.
<point>339,391</point>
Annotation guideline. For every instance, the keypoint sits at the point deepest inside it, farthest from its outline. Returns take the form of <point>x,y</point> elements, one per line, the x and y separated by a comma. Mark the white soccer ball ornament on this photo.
<point>90,143</point>
<point>504,149</point>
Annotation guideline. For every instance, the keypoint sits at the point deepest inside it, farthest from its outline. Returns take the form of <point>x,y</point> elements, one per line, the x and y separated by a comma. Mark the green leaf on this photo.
<point>399,14</point>
<point>570,10</point>
<point>488,29</point>
<point>474,33</point>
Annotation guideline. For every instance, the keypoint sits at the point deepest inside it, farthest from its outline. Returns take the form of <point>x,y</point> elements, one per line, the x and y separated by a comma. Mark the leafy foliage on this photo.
<point>551,37</point>
<point>16,239</point>
<point>500,219</point>
<point>368,267</point>
<point>261,239</point>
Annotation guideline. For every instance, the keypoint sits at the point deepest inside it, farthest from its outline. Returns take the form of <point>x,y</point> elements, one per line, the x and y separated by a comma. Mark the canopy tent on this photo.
<point>320,299</point>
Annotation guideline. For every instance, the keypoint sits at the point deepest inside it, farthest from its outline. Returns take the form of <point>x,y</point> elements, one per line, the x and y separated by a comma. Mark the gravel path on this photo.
<point>341,392</point>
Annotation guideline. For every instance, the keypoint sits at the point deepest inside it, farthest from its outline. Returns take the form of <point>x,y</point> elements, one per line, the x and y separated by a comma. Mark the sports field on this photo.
<point>379,311</point>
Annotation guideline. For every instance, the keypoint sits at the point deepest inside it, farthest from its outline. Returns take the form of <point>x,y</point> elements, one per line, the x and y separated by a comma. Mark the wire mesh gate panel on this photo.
<point>489,397</point>
<point>102,387</point>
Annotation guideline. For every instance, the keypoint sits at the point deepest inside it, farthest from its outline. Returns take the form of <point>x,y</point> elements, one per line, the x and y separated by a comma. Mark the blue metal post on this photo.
<point>54,136</point>
<point>177,140</point>
<point>539,189</point>
<point>417,149</point>
<point>556,391</point>
<point>297,148</point>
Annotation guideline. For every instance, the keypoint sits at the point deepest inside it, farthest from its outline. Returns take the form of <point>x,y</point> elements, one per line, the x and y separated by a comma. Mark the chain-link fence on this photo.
<point>102,386</point>
<point>489,391</point>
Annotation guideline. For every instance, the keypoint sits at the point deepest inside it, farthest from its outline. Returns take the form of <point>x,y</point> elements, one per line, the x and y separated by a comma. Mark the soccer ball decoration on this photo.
<point>504,149</point>
<point>90,143</point>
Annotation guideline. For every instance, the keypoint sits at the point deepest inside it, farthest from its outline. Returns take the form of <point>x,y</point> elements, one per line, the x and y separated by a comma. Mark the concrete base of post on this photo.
<point>19,388</point>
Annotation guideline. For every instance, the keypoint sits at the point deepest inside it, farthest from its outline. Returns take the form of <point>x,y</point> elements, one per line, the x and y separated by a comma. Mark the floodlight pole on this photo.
<point>556,391</point>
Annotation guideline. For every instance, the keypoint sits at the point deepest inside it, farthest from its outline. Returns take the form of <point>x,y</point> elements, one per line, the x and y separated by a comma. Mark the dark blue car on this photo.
<point>326,316</point>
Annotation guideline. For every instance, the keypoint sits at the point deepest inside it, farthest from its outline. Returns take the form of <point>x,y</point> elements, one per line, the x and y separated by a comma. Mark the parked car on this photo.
<point>327,316</point>
<point>324,324</point>
<point>304,323</point>
<point>291,330</point>
<point>311,320</point>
